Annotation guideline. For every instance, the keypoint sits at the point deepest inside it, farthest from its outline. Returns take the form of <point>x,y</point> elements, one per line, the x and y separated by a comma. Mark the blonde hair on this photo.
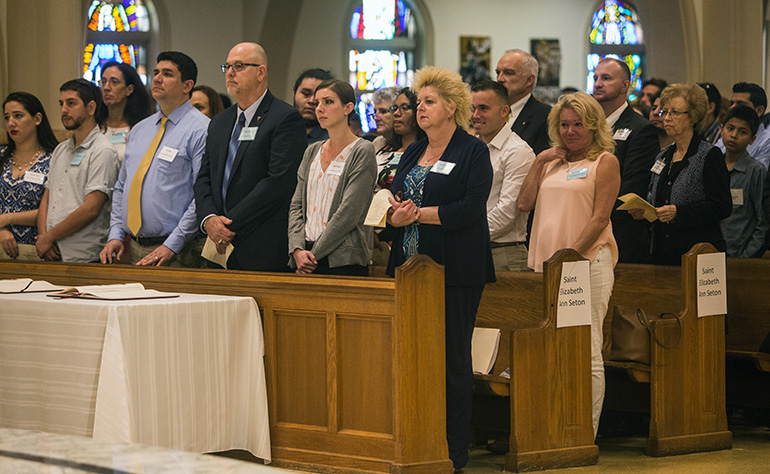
<point>593,119</point>
<point>696,99</point>
<point>450,88</point>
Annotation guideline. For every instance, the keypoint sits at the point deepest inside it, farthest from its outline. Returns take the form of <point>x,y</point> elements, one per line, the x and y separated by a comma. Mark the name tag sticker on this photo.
<point>578,173</point>
<point>78,158</point>
<point>33,177</point>
<point>167,153</point>
<point>658,166</point>
<point>335,168</point>
<point>396,159</point>
<point>248,134</point>
<point>443,167</point>
<point>737,195</point>
<point>119,137</point>
<point>622,134</point>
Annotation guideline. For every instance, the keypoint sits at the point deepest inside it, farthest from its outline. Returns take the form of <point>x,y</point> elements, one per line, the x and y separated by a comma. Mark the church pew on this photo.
<point>354,366</point>
<point>683,387</point>
<point>549,390</point>
<point>748,322</point>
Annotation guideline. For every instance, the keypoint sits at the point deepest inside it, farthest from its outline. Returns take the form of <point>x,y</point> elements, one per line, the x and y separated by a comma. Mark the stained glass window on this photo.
<point>616,32</point>
<point>118,30</point>
<point>383,50</point>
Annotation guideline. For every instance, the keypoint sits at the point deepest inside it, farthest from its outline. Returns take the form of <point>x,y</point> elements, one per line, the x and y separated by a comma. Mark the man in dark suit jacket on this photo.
<point>517,70</point>
<point>249,168</point>
<point>636,145</point>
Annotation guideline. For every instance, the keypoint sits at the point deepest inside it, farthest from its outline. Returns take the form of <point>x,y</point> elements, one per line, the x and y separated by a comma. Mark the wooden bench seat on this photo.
<point>683,387</point>
<point>546,404</point>
<point>748,322</point>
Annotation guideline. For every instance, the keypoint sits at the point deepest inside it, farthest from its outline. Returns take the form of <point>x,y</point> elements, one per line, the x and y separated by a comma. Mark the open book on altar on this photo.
<point>119,292</point>
<point>26,285</point>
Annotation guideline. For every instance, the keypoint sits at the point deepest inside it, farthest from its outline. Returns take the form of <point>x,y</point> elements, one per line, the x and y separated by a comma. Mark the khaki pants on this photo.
<point>189,257</point>
<point>511,259</point>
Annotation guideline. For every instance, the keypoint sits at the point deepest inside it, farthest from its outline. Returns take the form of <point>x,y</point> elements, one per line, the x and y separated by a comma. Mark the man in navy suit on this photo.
<point>636,145</point>
<point>517,71</point>
<point>249,168</point>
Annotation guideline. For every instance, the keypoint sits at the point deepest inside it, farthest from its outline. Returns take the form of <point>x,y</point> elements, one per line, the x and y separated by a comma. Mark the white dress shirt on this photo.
<point>517,108</point>
<point>511,160</point>
<point>614,116</point>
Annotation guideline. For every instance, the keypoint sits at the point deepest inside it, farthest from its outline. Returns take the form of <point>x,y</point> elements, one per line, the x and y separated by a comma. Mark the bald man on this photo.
<point>249,168</point>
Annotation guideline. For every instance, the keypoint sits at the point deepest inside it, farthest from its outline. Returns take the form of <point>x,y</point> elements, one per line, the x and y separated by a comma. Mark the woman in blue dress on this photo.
<point>24,165</point>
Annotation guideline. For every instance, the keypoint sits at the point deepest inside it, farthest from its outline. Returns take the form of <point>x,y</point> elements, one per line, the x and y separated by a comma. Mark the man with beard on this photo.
<point>304,91</point>
<point>74,213</point>
<point>636,144</point>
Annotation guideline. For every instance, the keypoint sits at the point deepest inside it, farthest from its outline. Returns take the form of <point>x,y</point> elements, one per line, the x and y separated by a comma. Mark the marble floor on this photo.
<point>750,454</point>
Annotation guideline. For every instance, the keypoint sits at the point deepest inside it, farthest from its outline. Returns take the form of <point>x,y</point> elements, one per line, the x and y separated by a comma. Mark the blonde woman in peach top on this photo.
<point>572,187</point>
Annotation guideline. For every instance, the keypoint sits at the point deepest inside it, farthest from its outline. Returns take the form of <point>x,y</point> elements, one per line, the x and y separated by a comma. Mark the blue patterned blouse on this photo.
<point>413,184</point>
<point>18,195</point>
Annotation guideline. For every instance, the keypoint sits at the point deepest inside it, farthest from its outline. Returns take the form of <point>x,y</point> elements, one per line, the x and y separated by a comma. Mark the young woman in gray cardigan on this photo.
<point>335,183</point>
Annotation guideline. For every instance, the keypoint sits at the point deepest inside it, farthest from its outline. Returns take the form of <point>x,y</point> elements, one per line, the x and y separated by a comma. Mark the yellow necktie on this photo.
<point>135,193</point>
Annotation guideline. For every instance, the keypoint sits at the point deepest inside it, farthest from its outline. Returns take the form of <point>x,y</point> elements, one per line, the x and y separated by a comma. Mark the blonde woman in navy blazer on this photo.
<point>445,180</point>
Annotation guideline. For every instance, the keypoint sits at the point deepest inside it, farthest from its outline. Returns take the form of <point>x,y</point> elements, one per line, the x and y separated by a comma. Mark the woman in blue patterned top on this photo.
<point>24,164</point>
<point>443,183</point>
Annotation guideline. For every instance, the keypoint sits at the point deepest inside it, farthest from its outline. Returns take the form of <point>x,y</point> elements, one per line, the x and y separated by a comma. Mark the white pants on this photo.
<point>602,279</point>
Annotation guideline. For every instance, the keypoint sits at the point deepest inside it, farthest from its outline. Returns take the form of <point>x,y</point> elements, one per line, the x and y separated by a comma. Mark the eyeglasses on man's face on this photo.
<point>238,67</point>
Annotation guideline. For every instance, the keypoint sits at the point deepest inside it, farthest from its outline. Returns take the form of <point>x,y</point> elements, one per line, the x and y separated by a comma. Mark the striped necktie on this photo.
<point>135,192</point>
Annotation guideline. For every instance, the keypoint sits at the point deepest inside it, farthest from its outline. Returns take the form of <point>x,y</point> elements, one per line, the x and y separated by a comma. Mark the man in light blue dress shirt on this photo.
<point>169,231</point>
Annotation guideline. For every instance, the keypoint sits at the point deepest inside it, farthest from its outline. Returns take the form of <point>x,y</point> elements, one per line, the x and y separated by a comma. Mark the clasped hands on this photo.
<point>403,213</point>
<point>665,214</point>
<point>216,228</point>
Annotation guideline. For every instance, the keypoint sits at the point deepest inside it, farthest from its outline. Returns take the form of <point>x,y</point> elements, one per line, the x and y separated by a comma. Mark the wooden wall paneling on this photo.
<point>323,337</point>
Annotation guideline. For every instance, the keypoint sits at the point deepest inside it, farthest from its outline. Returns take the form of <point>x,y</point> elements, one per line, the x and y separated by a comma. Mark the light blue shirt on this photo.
<point>168,207</point>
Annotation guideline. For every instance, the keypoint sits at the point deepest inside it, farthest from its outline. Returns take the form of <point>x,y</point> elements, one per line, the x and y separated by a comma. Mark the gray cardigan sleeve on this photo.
<point>351,199</point>
<point>298,207</point>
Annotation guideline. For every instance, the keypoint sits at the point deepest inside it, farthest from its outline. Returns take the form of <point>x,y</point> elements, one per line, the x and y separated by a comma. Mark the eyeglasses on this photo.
<point>674,113</point>
<point>381,111</point>
<point>403,108</point>
<point>237,67</point>
<point>114,82</point>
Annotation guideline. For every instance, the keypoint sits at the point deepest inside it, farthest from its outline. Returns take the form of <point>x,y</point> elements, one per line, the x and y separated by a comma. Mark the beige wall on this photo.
<point>716,40</point>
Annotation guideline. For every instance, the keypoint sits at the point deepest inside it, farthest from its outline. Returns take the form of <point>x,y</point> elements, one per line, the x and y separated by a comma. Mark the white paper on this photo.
<point>210,253</point>
<point>335,168</point>
<point>574,304</point>
<point>443,167</point>
<point>484,346</point>
<point>622,134</point>
<point>659,166</point>
<point>248,134</point>
<point>33,177</point>
<point>712,284</point>
<point>378,209</point>
<point>737,195</point>
<point>167,153</point>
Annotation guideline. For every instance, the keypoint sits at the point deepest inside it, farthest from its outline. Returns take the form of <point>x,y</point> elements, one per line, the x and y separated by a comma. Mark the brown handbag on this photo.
<point>631,334</point>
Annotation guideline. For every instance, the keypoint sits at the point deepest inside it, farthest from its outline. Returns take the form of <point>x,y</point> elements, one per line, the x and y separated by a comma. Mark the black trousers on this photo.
<point>461,302</point>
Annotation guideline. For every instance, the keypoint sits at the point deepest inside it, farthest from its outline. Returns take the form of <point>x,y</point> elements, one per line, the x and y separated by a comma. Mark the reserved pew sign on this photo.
<point>574,306</point>
<point>712,284</point>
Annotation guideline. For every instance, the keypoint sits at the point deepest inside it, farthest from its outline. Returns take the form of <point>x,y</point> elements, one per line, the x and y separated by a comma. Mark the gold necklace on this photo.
<point>27,163</point>
<point>428,161</point>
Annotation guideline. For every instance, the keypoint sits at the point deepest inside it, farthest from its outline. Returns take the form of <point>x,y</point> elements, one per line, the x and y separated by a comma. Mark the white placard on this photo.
<point>712,284</point>
<point>574,305</point>
<point>167,153</point>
